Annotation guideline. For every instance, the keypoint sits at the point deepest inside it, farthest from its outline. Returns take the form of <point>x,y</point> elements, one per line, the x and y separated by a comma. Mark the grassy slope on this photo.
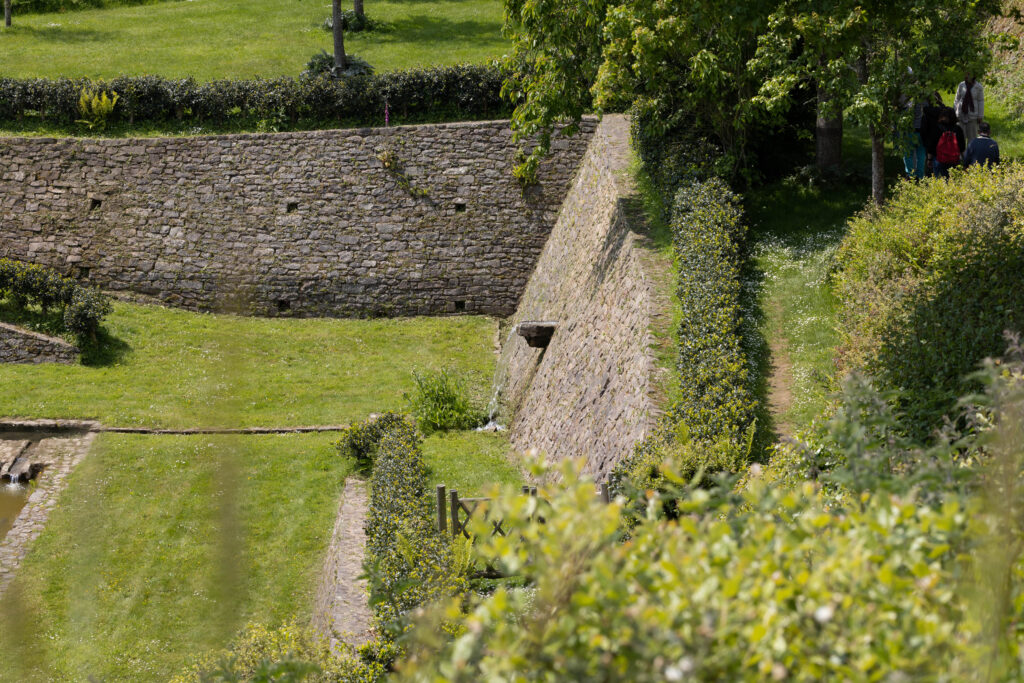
<point>163,546</point>
<point>181,369</point>
<point>210,39</point>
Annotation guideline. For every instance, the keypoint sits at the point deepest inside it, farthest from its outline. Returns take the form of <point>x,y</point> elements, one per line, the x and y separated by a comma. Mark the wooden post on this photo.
<point>533,491</point>
<point>442,513</point>
<point>455,512</point>
<point>605,493</point>
<point>526,490</point>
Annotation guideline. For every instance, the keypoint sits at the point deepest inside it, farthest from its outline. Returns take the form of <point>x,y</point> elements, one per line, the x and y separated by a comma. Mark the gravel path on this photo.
<point>342,611</point>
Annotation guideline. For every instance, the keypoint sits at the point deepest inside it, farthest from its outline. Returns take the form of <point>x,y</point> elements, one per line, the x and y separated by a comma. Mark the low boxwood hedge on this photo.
<point>408,561</point>
<point>469,91</point>
<point>26,284</point>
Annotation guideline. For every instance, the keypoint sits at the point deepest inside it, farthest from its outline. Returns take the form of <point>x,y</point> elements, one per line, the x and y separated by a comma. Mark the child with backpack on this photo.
<point>949,150</point>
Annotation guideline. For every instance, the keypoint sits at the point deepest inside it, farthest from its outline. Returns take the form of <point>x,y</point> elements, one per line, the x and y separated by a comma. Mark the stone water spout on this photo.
<point>537,334</point>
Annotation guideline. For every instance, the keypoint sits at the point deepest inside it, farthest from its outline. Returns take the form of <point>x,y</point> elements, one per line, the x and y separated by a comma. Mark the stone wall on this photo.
<point>19,345</point>
<point>396,221</point>
<point>594,392</point>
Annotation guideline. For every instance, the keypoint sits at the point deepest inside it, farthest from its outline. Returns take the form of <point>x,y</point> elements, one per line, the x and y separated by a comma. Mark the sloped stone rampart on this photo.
<point>386,221</point>
<point>18,345</point>
<point>594,391</point>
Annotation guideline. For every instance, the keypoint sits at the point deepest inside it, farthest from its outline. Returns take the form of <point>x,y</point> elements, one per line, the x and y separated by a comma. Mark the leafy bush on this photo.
<point>440,402</point>
<point>891,579</point>
<point>710,427</point>
<point>286,653</point>
<point>408,561</point>
<point>351,22</point>
<point>360,441</point>
<point>928,284</point>
<point>83,307</point>
<point>322,64</point>
<point>430,94</point>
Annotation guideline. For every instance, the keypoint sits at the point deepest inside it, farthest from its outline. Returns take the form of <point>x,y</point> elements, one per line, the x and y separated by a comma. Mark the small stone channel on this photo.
<point>35,460</point>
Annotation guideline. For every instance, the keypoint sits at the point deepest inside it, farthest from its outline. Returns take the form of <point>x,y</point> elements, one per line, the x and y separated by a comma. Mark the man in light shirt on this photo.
<point>970,105</point>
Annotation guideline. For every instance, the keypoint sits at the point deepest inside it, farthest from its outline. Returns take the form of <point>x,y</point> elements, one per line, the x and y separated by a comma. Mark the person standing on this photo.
<point>982,149</point>
<point>930,129</point>
<point>949,150</point>
<point>970,105</point>
<point>914,155</point>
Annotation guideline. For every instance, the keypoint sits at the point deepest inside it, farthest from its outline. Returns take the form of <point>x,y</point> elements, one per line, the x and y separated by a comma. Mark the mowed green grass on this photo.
<point>211,39</point>
<point>177,369</point>
<point>471,463</point>
<point>162,547</point>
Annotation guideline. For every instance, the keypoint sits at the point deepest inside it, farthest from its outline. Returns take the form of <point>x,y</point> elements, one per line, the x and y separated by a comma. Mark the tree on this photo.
<point>338,31</point>
<point>7,13</point>
<point>556,51</point>
<point>867,58</point>
<point>357,7</point>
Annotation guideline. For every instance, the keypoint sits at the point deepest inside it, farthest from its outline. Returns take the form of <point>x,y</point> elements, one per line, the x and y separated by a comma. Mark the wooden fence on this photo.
<point>454,512</point>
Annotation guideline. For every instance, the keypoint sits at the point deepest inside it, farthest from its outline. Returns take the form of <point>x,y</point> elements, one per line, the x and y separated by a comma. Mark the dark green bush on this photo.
<point>352,22</point>
<point>710,426</point>
<point>26,284</point>
<point>322,64</point>
<point>430,94</point>
<point>409,562</point>
<point>440,402</point>
<point>360,441</point>
<point>929,283</point>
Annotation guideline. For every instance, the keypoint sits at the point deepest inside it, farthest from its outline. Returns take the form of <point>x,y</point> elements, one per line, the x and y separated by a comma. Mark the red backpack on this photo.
<point>948,151</point>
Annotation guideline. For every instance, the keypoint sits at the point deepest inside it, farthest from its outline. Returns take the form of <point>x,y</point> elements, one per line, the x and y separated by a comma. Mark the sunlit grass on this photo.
<point>162,547</point>
<point>174,368</point>
<point>470,462</point>
<point>210,39</point>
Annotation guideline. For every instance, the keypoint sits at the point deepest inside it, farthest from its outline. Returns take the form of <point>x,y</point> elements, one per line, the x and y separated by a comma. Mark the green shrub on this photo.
<point>322,64</point>
<point>352,22</point>
<point>408,561</point>
<point>27,284</point>
<point>440,402</point>
<point>463,92</point>
<point>710,426</point>
<point>928,284</point>
<point>286,653</point>
<point>360,441</point>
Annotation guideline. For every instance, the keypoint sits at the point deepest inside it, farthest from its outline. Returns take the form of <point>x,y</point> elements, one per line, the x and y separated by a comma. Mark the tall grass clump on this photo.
<point>441,402</point>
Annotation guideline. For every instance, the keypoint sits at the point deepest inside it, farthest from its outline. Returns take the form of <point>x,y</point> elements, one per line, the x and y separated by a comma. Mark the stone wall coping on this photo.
<point>287,135</point>
<point>41,337</point>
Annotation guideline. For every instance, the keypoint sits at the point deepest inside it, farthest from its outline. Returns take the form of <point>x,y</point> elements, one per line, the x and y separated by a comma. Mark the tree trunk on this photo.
<point>877,167</point>
<point>340,60</point>
<point>357,5</point>
<point>828,135</point>
<point>7,13</point>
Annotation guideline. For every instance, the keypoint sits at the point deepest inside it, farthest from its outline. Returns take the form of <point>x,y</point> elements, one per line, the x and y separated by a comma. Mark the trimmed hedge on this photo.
<point>431,94</point>
<point>408,561</point>
<point>710,426</point>
<point>928,284</point>
<point>83,307</point>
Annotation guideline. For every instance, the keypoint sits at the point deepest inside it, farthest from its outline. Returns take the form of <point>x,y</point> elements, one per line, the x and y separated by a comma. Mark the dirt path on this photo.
<point>780,378</point>
<point>342,612</point>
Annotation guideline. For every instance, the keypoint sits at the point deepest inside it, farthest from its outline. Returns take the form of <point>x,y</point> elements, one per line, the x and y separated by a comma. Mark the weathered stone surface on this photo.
<point>395,221</point>
<point>18,345</point>
<point>593,392</point>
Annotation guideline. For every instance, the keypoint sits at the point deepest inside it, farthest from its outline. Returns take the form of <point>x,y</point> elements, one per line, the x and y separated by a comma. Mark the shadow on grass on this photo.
<point>103,351</point>
<point>59,34</point>
<point>425,29</point>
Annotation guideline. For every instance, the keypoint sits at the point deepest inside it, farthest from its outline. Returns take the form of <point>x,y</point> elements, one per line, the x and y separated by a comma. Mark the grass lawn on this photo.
<point>163,547</point>
<point>172,368</point>
<point>470,462</point>
<point>211,39</point>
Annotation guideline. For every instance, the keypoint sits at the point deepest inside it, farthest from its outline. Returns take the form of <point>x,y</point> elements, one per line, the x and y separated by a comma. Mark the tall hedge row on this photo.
<point>436,93</point>
<point>709,425</point>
